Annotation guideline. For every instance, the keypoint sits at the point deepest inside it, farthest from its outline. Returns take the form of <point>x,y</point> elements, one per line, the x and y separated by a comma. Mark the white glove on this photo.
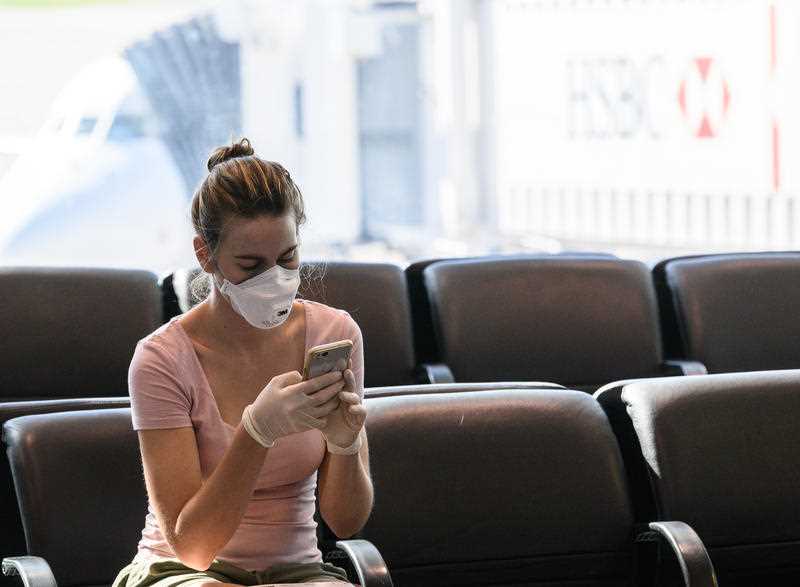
<point>288,405</point>
<point>344,431</point>
<point>347,450</point>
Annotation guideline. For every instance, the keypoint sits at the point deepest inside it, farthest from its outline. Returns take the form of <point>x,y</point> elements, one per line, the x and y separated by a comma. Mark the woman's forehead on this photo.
<point>262,233</point>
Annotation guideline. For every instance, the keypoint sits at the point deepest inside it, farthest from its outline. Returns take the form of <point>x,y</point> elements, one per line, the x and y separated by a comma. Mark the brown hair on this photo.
<point>241,184</point>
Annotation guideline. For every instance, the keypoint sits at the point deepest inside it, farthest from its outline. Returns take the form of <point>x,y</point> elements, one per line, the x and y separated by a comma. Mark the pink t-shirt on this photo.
<point>169,389</point>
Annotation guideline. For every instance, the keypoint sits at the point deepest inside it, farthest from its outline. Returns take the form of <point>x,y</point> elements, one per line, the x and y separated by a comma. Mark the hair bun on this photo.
<point>221,154</point>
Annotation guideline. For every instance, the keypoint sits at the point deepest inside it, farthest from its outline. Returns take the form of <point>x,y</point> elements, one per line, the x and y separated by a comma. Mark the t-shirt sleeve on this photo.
<point>353,332</point>
<point>159,397</point>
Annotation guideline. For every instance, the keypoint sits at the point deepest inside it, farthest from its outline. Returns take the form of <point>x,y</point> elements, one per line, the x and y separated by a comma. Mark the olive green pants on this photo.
<point>171,572</point>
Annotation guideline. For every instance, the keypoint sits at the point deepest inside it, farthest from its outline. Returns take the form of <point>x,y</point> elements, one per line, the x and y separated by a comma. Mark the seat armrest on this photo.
<point>684,367</point>
<point>368,562</point>
<point>33,570</point>
<point>688,548</point>
<point>434,373</point>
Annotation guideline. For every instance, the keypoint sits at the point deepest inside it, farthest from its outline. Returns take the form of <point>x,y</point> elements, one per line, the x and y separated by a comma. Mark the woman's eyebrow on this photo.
<point>257,257</point>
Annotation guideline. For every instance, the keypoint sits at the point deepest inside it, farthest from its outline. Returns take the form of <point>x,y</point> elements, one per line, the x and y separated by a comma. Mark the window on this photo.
<point>430,128</point>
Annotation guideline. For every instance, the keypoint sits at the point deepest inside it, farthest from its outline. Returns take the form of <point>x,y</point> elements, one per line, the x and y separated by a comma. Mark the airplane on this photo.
<point>98,186</point>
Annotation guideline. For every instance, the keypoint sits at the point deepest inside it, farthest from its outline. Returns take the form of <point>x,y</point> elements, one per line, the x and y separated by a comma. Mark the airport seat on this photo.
<point>425,348</point>
<point>505,487</point>
<point>577,321</point>
<point>72,331</point>
<point>78,476</point>
<point>722,455</point>
<point>374,294</point>
<point>71,334</point>
<point>732,312</point>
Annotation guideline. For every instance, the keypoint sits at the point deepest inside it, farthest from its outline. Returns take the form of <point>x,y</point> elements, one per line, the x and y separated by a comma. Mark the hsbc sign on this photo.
<point>611,97</point>
<point>653,96</point>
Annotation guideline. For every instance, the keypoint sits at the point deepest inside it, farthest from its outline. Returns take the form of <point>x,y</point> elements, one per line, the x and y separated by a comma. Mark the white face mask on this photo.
<point>265,300</point>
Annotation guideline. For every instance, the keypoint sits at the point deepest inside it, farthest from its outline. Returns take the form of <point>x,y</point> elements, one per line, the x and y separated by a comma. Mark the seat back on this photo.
<point>12,538</point>
<point>376,296</point>
<point>722,451</point>
<point>734,312</point>
<point>579,322</point>
<point>78,477</point>
<point>71,332</point>
<point>422,322</point>
<point>501,487</point>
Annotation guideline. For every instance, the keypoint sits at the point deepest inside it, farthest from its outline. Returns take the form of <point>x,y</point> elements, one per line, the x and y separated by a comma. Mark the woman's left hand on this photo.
<point>345,423</point>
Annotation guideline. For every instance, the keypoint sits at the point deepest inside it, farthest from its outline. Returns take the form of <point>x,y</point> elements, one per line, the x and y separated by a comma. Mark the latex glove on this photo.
<point>288,405</point>
<point>344,431</point>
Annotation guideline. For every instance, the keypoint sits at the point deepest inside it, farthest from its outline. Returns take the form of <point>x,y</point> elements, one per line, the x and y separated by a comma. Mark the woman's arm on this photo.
<point>345,485</point>
<point>198,518</point>
<point>345,491</point>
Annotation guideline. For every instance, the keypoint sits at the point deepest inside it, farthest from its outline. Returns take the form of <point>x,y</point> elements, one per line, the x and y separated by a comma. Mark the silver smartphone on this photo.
<point>324,357</point>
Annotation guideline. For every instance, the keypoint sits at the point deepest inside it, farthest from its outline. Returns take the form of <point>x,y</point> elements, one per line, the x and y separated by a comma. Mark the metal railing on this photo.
<point>641,217</point>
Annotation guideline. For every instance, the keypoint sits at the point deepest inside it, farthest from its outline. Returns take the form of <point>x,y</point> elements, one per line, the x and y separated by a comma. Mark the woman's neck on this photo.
<point>228,330</point>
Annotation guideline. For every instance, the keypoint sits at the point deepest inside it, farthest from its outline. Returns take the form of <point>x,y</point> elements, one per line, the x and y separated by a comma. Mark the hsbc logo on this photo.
<point>622,98</point>
<point>612,97</point>
<point>704,97</point>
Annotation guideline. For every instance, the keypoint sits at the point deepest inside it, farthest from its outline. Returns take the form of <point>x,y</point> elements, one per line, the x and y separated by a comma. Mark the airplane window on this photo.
<point>126,127</point>
<point>86,126</point>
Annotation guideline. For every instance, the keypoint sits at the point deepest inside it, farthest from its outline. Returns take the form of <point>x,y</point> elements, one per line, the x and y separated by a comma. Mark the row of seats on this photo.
<point>580,321</point>
<point>493,487</point>
<point>577,319</point>
<point>585,319</point>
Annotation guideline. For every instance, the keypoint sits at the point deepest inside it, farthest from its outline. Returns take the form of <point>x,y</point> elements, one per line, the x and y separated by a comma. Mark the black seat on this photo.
<point>722,454</point>
<point>375,295</point>
<point>580,322</point>
<point>503,487</point>
<point>424,337</point>
<point>733,312</point>
<point>70,337</point>
<point>78,478</point>
<point>72,331</point>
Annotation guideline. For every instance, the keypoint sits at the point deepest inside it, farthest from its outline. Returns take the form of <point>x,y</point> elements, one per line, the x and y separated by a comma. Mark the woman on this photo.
<point>232,440</point>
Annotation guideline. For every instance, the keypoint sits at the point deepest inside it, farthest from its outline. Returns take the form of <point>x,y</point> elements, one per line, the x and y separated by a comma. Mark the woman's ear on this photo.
<point>203,254</point>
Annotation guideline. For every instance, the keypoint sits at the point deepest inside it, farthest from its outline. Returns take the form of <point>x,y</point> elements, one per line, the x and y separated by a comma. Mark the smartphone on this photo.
<point>324,357</point>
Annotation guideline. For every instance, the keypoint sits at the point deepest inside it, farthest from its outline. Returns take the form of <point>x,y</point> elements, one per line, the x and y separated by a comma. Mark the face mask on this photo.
<point>265,300</point>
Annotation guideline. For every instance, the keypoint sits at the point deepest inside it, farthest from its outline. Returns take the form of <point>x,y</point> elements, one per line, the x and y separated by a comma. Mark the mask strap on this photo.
<point>217,282</point>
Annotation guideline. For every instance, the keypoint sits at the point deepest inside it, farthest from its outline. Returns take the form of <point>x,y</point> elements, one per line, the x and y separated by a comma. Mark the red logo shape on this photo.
<point>704,97</point>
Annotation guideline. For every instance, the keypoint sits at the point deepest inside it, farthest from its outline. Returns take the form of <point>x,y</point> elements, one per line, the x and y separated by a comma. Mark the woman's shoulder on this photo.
<point>325,318</point>
<point>164,344</point>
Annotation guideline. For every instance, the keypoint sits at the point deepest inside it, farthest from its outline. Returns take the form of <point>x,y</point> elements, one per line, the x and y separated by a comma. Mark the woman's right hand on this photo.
<point>288,405</point>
